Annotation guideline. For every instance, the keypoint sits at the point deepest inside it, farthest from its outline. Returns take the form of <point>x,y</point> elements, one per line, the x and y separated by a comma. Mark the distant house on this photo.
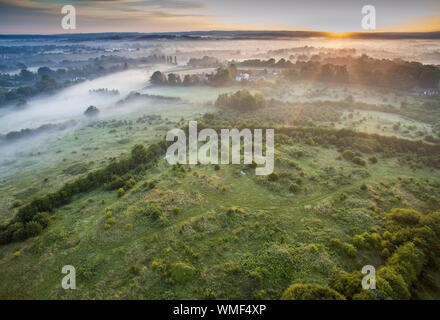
<point>242,76</point>
<point>427,92</point>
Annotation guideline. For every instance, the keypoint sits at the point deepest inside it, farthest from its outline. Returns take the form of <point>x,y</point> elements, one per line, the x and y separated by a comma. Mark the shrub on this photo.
<point>259,295</point>
<point>310,292</point>
<point>359,241</point>
<point>16,254</point>
<point>17,203</point>
<point>348,155</point>
<point>139,154</point>
<point>210,294</point>
<point>399,289</point>
<point>273,177</point>
<point>373,159</point>
<point>152,210</point>
<point>359,161</point>
<point>181,272</point>
<point>176,210</point>
<point>347,284</point>
<point>130,183</point>
<point>346,248</point>
<point>365,295</point>
<point>42,218</point>
<point>216,167</point>
<point>121,192</point>
<point>33,229</point>
<point>294,188</point>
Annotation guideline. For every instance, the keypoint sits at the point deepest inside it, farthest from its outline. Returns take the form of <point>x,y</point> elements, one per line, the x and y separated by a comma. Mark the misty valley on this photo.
<point>86,181</point>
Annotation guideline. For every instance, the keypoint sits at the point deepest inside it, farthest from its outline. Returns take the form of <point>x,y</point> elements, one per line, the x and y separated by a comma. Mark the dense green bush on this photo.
<point>348,284</point>
<point>152,210</point>
<point>294,188</point>
<point>310,292</point>
<point>410,242</point>
<point>181,272</point>
<point>241,100</point>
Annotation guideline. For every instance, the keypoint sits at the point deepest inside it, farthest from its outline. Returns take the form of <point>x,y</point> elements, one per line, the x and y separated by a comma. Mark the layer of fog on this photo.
<point>70,104</point>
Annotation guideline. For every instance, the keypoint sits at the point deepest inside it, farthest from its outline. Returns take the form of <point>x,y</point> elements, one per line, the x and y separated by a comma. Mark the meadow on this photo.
<point>356,182</point>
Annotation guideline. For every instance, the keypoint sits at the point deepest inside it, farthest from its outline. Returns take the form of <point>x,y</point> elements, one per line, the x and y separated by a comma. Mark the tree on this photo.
<point>26,75</point>
<point>347,284</point>
<point>158,78</point>
<point>139,154</point>
<point>33,229</point>
<point>91,111</point>
<point>46,84</point>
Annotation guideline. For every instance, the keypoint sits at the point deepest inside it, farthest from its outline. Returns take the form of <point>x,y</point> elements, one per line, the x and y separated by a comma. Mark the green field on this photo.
<point>222,233</point>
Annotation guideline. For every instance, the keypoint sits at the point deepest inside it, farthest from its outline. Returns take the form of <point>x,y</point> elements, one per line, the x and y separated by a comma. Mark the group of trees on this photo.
<point>241,100</point>
<point>45,84</point>
<point>24,133</point>
<point>27,84</point>
<point>410,245</point>
<point>396,74</point>
<point>222,77</point>
<point>33,218</point>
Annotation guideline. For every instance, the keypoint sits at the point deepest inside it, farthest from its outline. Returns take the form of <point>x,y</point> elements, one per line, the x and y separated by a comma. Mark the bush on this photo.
<point>121,192</point>
<point>348,155</point>
<point>181,272</point>
<point>139,154</point>
<point>347,284</point>
<point>241,100</point>
<point>42,218</point>
<point>359,161</point>
<point>294,188</point>
<point>33,229</point>
<point>373,159</point>
<point>399,289</point>
<point>365,295</point>
<point>153,210</point>
<point>310,292</point>
<point>130,184</point>
<point>17,203</point>
<point>273,177</point>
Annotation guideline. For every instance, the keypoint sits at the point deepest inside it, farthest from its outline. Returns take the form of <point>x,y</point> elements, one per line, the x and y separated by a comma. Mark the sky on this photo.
<point>44,16</point>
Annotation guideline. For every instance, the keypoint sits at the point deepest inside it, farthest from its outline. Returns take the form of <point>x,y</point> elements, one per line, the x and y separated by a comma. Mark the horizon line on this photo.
<point>346,33</point>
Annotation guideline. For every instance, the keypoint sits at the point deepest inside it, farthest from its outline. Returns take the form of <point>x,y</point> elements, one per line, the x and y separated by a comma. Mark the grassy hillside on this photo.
<point>207,232</point>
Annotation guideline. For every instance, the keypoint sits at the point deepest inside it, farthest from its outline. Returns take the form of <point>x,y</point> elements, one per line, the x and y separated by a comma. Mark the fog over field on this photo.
<point>70,103</point>
<point>85,178</point>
